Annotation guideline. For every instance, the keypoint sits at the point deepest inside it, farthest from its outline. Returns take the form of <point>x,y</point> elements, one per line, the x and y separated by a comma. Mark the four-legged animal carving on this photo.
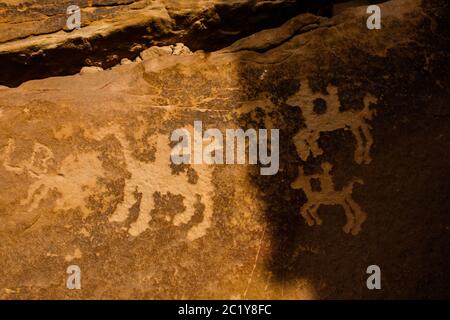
<point>321,114</point>
<point>328,195</point>
<point>157,176</point>
<point>74,179</point>
<point>71,179</point>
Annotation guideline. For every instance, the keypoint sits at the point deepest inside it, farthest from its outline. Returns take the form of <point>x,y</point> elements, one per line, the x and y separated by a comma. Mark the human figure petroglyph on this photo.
<point>321,114</point>
<point>328,195</point>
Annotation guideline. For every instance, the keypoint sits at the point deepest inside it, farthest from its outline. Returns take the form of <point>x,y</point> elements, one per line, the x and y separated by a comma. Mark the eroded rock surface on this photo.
<point>35,41</point>
<point>86,176</point>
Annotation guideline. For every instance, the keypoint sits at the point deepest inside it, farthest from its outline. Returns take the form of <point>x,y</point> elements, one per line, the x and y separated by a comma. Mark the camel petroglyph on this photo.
<point>326,194</point>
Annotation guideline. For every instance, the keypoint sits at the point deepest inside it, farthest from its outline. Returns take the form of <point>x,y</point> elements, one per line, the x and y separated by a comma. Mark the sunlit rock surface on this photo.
<point>36,42</point>
<point>86,177</point>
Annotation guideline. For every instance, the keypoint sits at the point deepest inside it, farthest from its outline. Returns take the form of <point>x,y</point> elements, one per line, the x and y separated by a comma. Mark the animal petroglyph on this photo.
<point>74,180</point>
<point>325,193</point>
<point>321,114</point>
<point>35,166</point>
<point>150,178</point>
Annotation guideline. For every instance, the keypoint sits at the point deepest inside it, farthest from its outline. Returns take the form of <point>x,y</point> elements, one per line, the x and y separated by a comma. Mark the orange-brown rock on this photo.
<point>86,177</point>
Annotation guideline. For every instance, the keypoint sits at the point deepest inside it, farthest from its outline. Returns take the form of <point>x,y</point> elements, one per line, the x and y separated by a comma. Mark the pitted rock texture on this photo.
<point>86,176</point>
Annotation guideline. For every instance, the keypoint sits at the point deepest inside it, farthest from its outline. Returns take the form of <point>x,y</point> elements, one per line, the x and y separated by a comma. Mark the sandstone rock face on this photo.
<point>36,42</point>
<point>87,70</point>
<point>86,176</point>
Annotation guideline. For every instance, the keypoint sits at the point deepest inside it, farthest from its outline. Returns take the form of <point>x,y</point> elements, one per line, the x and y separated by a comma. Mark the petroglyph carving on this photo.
<point>157,176</point>
<point>74,181</point>
<point>328,195</point>
<point>37,165</point>
<point>321,114</point>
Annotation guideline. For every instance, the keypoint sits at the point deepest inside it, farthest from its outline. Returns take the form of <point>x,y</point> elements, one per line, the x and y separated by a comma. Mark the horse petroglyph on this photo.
<point>328,195</point>
<point>321,113</point>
